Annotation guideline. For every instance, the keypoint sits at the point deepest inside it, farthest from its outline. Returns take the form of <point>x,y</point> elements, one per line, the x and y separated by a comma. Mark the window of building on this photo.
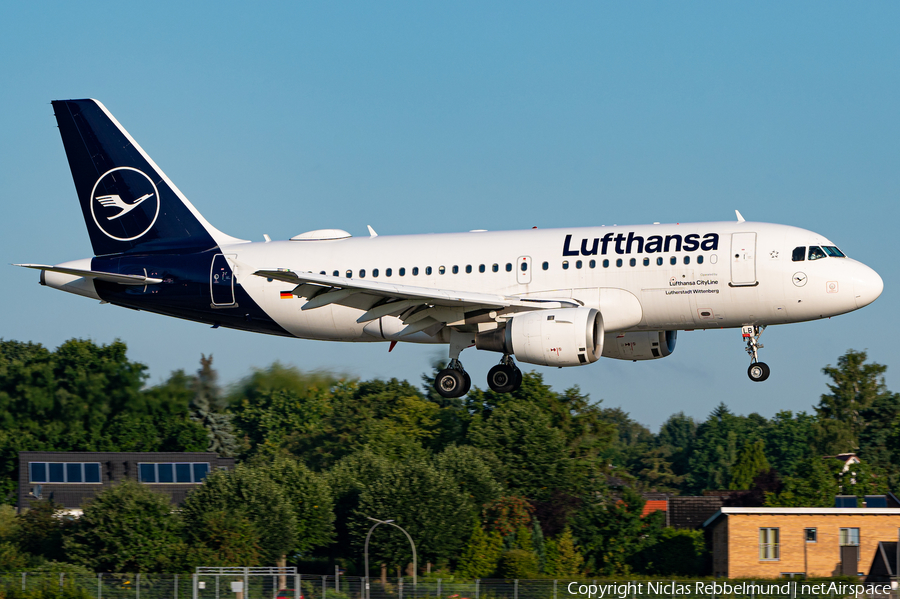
<point>849,537</point>
<point>799,254</point>
<point>509,267</point>
<point>64,472</point>
<point>768,544</point>
<point>173,472</point>
<point>578,264</point>
<point>545,265</point>
<point>809,534</point>
<point>876,501</point>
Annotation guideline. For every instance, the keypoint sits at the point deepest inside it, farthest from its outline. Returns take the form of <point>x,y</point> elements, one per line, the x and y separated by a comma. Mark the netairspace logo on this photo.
<point>626,590</point>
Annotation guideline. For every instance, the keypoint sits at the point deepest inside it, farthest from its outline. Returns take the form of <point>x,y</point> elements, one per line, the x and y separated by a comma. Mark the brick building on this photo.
<point>70,478</point>
<point>775,542</point>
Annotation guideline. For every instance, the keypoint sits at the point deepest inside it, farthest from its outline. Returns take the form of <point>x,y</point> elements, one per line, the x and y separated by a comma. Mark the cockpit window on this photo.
<point>799,254</point>
<point>833,251</point>
<point>815,252</point>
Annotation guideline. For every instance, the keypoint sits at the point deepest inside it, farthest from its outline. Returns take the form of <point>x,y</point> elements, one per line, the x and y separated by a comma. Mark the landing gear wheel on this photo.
<point>758,372</point>
<point>451,382</point>
<point>502,378</point>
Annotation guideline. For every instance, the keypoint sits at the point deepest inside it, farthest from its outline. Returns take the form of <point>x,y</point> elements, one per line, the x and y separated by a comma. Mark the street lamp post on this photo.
<point>366,551</point>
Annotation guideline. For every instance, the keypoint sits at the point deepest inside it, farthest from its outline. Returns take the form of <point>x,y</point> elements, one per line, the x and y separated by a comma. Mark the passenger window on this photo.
<point>428,270</point>
<point>375,272</point>
<point>619,263</point>
<point>673,260</point>
<point>509,267</point>
<point>699,259</point>
<point>659,261</point>
<point>442,270</point>
<point>455,269</point>
<point>646,261</point>
<point>687,259</point>
<point>481,268</point>
<point>468,269</point>
<point>592,263</point>
<point>495,268</point>
<point>632,262</point>
<point>833,251</point>
<point>349,274</point>
<point>565,265</point>
<point>799,254</point>
<point>815,252</point>
<point>387,272</point>
<point>578,264</point>
<point>362,273</point>
<point>401,272</point>
<point>545,265</point>
<point>336,273</point>
<point>322,272</point>
<point>606,264</point>
<point>524,266</point>
<point>415,271</point>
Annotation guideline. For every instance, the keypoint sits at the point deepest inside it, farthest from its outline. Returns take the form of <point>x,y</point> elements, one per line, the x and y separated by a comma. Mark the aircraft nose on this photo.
<point>868,286</point>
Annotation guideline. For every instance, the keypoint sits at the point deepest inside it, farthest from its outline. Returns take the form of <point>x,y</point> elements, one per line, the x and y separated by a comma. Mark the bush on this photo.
<point>518,563</point>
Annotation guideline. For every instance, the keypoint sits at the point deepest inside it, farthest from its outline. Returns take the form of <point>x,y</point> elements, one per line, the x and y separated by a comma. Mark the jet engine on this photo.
<point>562,337</point>
<point>644,345</point>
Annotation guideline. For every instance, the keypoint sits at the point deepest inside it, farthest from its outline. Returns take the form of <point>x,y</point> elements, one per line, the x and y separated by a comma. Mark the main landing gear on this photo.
<point>758,371</point>
<point>454,381</point>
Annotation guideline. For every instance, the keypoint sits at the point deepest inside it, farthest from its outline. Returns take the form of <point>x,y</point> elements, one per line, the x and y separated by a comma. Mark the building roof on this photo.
<point>654,505</point>
<point>821,511</point>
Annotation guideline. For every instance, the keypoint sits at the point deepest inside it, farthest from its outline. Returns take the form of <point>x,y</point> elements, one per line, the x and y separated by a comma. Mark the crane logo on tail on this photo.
<point>124,203</point>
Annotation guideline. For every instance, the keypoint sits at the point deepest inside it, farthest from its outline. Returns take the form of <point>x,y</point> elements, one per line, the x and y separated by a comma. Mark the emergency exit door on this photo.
<point>743,259</point>
<point>523,270</point>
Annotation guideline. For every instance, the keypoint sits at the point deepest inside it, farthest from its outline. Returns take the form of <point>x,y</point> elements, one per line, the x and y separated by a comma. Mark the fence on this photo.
<point>175,586</point>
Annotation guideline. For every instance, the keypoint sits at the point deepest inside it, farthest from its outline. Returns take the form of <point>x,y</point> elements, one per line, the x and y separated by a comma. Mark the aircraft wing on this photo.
<point>110,277</point>
<point>419,307</point>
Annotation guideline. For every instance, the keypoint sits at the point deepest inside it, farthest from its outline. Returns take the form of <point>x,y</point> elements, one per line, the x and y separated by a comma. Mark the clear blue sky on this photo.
<point>414,117</point>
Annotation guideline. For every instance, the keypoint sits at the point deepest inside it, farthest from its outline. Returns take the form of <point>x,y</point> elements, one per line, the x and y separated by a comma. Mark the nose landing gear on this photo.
<point>758,371</point>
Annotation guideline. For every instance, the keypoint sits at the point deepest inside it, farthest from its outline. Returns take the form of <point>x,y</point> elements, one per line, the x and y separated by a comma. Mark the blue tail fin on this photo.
<point>129,204</point>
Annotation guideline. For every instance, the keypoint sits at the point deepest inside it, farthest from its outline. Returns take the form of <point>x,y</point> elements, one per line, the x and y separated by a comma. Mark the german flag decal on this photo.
<point>286,295</point>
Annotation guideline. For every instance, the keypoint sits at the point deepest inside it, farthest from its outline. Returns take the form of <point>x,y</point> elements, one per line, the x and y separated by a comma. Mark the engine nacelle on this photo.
<point>644,345</point>
<point>563,337</point>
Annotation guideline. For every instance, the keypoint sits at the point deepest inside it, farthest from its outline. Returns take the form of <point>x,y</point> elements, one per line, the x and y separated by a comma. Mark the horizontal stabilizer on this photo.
<point>109,277</point>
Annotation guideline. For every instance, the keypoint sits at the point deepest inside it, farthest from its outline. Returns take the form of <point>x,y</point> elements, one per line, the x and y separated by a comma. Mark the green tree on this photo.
<point>506,515</point>
<point>481,555</point>
<point>127,528</point>
<point>677,436</point>
<point>40,530</point>
<point>751,462</point>
<point>473,471</point>
<point>678,552</point>
<point>518,563</point>
<point>224,538</point>
<point>715,448</point>
<point>789,440</point>
<point>249,492</point>
<point>855,387</point>
<point>563,558</point>
<point>208,409</point>
<point>310,497</point>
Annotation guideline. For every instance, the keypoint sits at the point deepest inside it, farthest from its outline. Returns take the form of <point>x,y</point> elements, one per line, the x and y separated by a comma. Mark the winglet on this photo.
<point>372,232</point>
<point>739,217</point>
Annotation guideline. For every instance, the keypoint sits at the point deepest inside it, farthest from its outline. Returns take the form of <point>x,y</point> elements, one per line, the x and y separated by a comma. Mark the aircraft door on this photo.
<point>743,259</point>
<point>523,270</point>
<point>221,282</point>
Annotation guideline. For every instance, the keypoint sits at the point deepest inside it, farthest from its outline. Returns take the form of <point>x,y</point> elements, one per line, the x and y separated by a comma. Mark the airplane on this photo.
<point>550,297</point>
